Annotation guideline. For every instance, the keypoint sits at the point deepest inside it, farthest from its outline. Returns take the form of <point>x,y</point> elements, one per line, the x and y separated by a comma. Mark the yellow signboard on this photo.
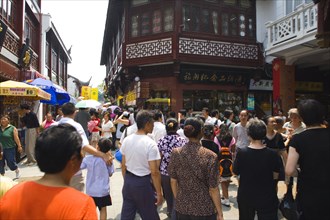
<point>86,92</point>
<point>95,94</point>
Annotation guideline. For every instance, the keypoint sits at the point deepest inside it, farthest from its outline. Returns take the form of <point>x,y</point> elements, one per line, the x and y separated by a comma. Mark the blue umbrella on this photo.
<point>58,95</point>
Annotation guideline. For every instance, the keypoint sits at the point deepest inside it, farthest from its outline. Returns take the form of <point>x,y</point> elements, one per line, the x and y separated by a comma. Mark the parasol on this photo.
<point>89,103</point>
<point>58,95</point>
<point>20,89</point>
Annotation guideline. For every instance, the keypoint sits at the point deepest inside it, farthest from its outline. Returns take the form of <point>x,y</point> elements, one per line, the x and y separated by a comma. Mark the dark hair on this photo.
<point>171,126</point>
<point>68,108</point>
<point>266,118</point>
<point>224,137</point>
<point>193,127</point>
<point>183,112</point>
<point>94,113</point>
<point>201,117</point>
<point>172,114</point>
<point>256,129</point>
<point>311,111</point>
<point>214,112</point>
<point>55,146</point>
<point>142,118</point>
<point>5,116</point>
<point>279,120</point>
<point>227,113</point>
<point>104,144</point>
<point>25,106</point>
<point>157,115</point>
<point>205,109</point>
<point>208,130</point>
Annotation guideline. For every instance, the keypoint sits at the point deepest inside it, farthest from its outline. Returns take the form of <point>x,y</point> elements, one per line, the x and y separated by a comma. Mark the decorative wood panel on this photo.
<point>149,48</point>
<point>217,48</point>
<point>11,43</point>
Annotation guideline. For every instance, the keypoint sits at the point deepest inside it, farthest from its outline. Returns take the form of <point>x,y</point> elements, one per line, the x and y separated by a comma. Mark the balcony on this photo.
<point>294,33</point>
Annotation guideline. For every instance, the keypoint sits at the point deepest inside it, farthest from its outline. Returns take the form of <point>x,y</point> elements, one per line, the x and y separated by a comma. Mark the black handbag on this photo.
<point>288,205</point>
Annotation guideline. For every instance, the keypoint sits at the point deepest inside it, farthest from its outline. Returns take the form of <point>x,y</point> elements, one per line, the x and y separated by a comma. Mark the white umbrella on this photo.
<point>89,103</point>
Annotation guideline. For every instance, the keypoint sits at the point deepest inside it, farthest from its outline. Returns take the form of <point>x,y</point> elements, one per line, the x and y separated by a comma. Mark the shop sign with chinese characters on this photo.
<point>18,92</point>
<point>263,84</point>
<point>214,77</point>
<point>309,86</point>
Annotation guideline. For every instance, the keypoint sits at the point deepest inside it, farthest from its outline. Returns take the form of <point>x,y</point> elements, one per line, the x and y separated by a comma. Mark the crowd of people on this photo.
<point>186,160</point>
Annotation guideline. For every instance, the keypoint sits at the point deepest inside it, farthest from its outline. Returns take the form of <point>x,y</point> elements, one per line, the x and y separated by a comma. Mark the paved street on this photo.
<point>116,182</point>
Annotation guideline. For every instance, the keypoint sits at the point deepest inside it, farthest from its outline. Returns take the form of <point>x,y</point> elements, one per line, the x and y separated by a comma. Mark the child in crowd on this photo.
<point>97,181</point>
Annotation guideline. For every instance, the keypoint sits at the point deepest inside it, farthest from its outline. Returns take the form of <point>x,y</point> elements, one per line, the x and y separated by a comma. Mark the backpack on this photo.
<point>216,129</point>
<point>225,160</point>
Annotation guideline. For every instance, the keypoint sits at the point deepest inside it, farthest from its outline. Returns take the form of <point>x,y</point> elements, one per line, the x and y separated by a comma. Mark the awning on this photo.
<point>14,88</point>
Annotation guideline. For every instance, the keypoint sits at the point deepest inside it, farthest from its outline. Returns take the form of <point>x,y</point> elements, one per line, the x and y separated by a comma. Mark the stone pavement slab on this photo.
<point>116,183</point>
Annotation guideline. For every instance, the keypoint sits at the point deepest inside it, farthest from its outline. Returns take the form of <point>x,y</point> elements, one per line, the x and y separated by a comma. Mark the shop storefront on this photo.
<point>260,97</point>
<point>218,88</point>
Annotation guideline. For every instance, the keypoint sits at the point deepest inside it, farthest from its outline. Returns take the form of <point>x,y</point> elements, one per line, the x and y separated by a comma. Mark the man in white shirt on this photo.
<point>208,119</point>
<point>69,110</point>
<point>239,131</point>
<point>159,130</point>
<point>140,166</point>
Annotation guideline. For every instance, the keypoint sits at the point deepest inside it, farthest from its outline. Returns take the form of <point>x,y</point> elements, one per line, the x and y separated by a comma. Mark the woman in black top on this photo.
<point>274,140</point>
<point>311,150</point>
<point>258,167</point>
<point>208,137</point>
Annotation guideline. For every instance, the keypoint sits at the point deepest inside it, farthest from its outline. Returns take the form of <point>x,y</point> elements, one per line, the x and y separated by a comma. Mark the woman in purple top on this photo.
<point>165,145</point>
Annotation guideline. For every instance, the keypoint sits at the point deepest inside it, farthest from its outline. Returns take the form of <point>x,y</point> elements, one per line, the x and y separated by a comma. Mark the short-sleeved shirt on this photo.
<point>211,145</point>
<point>78,127</point>
<point>106,127</point>
<point>240,135</point>
<point>313,147</point>
<point>138,151</point>
<point>275,143</point>
<point>159,131</point>
<point>98,172</point>
<point>98,123</point>
<point>197,170</point>
<point>83,117</point>
<point>30,120</point>
<point>257,185</point>
<point>166,145</point>
<point>48,203</point>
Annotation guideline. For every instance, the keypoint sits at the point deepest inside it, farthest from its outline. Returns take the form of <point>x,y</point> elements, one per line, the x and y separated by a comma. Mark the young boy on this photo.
<point>97,181</point>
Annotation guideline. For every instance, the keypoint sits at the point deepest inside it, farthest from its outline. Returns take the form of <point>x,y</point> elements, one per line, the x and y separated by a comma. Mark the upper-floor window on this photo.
<point>8,12</point>
<point>47,54</point>
<point>152,21</point>
<point>30,31</point>
<point>54,61</point>
<point>292,5</point>
<point>232,18</point>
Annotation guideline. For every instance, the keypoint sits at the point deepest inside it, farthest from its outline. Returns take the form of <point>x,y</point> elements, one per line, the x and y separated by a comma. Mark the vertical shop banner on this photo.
<point>276,85</point>
<point>95,94</point>
<point>250,102</point>
<point>86,92</point>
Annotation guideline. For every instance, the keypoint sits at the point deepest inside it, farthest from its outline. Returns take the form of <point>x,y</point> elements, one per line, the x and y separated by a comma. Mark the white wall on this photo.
<point>72,88</point>
<point>267,11</point>
<point>45,26</point>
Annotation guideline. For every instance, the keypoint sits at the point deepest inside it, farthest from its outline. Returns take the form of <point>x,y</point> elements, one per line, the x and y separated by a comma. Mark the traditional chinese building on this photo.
<point>179,54</point>
<point>30,47</point>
